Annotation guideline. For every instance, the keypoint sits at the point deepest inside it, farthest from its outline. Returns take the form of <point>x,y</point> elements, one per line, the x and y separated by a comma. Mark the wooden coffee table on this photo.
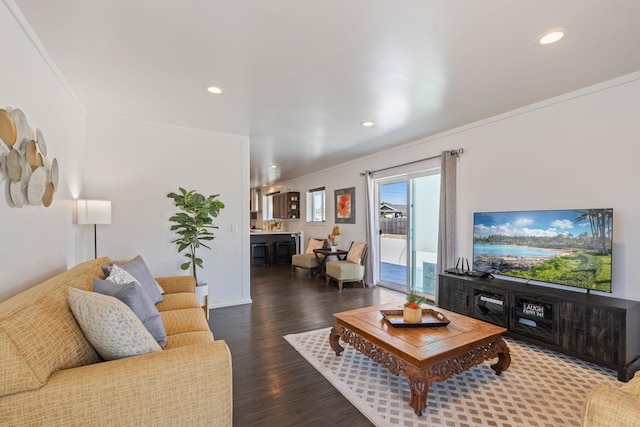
<point>422,355</point>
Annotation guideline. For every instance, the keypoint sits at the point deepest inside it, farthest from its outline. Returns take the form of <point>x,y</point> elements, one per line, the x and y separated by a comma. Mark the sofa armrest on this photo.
<point>609,406</point>
<point>189,385</point>
<point>176,284</point>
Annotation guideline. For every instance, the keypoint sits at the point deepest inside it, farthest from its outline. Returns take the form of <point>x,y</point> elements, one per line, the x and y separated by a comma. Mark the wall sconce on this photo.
<point>93,212</point>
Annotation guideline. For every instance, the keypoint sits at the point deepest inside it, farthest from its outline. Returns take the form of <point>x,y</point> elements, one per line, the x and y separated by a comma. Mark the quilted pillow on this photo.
<point>107,271</point>
<point>121,277</point>
<point>138,269</point>
<point>356,251</point>
<point>137,300</point>
<point>110,326</point>
<point>314,244</point>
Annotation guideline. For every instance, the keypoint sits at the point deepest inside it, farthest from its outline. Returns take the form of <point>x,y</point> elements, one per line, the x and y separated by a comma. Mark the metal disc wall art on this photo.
<point>31,178</point>
<point>42,145</point>
<point>14,165</point>
<point>7,129</point>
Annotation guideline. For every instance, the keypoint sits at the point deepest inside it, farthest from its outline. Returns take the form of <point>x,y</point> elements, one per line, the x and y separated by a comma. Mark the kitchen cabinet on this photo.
<point>286,205</point>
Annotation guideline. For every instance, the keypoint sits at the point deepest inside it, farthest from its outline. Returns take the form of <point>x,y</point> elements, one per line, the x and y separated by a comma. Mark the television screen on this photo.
<point>564,247</point>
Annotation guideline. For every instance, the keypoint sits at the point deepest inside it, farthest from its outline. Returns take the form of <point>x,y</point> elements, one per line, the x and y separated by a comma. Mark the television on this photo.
<point>570,247</point>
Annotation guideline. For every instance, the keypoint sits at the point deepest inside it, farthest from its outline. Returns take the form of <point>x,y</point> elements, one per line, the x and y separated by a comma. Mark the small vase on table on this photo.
<point>412,312</point>
<point>412,315</point>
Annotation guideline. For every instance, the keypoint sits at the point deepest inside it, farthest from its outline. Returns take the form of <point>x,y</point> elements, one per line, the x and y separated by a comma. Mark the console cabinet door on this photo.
<point>593,331</point>
<point>573,333</point>
<point>606,327</point>
<point>453,295</point>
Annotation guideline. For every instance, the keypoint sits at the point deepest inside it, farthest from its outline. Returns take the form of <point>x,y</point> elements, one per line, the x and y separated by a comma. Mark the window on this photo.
<point>267,206</point>
<point>316,205</point>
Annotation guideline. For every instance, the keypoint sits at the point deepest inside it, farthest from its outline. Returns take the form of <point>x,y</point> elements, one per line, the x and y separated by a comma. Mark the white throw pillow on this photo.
<point>121,276</point>
<point>111,327</point>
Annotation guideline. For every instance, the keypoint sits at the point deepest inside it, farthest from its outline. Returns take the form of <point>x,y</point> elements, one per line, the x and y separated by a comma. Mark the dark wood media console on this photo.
<point>595,328</point>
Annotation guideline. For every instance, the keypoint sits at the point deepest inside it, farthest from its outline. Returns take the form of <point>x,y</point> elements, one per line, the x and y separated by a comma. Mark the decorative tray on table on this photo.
<point>430,319</point>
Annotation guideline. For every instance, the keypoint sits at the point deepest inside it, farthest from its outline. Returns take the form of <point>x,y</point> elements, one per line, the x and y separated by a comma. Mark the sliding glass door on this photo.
<point>408,224</point>
<point>393,232</point>
<point>425,206</point>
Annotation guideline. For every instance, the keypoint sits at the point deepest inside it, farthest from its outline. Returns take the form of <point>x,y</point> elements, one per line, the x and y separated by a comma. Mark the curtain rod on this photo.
<point>451,152</point>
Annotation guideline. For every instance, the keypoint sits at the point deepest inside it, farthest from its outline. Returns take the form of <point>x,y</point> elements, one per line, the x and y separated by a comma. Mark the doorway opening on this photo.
<point>408,230</point>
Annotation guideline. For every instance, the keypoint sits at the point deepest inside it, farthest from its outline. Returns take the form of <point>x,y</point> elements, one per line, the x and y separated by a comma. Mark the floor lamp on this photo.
<point>93,212</point>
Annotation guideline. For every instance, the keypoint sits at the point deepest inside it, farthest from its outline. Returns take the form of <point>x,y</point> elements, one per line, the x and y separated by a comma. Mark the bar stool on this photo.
<point>289,246</point>
<point>266,252</point>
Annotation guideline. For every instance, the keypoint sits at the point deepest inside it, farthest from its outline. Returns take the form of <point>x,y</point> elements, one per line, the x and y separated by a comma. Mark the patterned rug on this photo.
<point>540,388</point>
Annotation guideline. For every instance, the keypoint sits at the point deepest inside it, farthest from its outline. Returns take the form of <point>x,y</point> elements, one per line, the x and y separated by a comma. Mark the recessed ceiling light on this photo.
<point>552,36</point>
<point>367,124</point>
<point>273,167</point>
<point>213,89</point>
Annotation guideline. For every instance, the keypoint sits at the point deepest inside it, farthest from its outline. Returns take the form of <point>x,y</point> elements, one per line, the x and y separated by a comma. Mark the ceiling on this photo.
<point>299,76</point>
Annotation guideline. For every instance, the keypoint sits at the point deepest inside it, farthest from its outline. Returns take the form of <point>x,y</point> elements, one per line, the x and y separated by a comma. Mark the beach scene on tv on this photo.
<point>566,247</point>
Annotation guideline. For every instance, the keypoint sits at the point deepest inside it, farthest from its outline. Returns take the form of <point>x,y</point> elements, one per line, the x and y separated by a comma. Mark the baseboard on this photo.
<point>230,303</point>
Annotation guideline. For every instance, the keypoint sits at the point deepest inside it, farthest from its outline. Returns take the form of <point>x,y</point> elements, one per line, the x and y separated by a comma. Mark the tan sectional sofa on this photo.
<point>50,375</point>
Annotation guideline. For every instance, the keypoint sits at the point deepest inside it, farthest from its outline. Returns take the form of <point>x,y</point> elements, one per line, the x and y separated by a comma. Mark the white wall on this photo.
<point>136,164</point>
<point>38,242</point>
<point>580,150</point>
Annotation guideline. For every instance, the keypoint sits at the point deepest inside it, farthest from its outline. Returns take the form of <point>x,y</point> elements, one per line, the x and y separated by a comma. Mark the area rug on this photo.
<point>540,388</point>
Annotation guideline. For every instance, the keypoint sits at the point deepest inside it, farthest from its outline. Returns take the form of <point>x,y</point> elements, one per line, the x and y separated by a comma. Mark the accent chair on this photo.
<point>308,259</point>
<point>607,405</point>
<point>350,269</point>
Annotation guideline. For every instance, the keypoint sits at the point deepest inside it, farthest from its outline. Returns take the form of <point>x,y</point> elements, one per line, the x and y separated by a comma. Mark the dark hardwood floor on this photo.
<point>272,384</point>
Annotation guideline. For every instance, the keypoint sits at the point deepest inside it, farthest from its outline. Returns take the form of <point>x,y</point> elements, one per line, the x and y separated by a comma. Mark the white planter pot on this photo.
<point>333,257</point>
<point>202,291</point>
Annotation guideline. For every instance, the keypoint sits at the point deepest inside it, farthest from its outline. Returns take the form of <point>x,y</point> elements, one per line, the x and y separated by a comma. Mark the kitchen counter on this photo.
<point>257,236</point>
<point>274,232</point>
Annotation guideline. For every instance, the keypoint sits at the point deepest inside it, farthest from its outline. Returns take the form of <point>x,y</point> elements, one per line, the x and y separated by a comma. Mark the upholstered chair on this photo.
<point>308,259</point>
<point>608,405</point>
<point>349,270</point>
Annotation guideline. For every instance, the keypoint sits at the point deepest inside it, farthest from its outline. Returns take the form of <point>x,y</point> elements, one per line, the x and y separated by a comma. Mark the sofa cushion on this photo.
<point>110,326</point>
<point>345,270</point>
<point>188,338</point>
<point>15,373</point>
<point>139,270</point>
<point>356,252</point>
<point>185,320</point>
<point>314,244</point>
<point>178,301</point>
<point>38,325</point>
<point>137,300</point>
<point>305,260</point>
<point>48,339</point>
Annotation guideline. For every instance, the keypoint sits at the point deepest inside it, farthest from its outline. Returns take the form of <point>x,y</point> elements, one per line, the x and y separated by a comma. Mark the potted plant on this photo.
<point>193,226</point>
<point>332,237</point>
<point>412,312</point>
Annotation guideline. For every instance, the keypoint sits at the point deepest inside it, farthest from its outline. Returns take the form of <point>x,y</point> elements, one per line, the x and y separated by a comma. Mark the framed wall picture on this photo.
<point>345,206</point>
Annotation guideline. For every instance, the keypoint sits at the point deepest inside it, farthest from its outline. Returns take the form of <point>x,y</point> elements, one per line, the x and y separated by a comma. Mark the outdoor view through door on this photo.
<point>408,224</point>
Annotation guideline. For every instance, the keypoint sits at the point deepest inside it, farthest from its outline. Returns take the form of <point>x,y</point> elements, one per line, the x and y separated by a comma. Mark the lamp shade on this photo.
<point>93,211</point>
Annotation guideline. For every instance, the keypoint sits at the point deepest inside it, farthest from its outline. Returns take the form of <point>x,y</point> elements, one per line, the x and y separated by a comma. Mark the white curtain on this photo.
<point>447,227</point>
<point>371,272</point>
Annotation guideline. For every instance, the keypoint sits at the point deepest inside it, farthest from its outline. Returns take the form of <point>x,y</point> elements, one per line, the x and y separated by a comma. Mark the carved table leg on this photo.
<point>334,339</point>
<point>419,382</point>
<point>504,357</point>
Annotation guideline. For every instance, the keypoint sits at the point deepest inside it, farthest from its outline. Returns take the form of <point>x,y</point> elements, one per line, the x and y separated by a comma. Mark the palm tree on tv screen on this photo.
<point>600,221</point>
